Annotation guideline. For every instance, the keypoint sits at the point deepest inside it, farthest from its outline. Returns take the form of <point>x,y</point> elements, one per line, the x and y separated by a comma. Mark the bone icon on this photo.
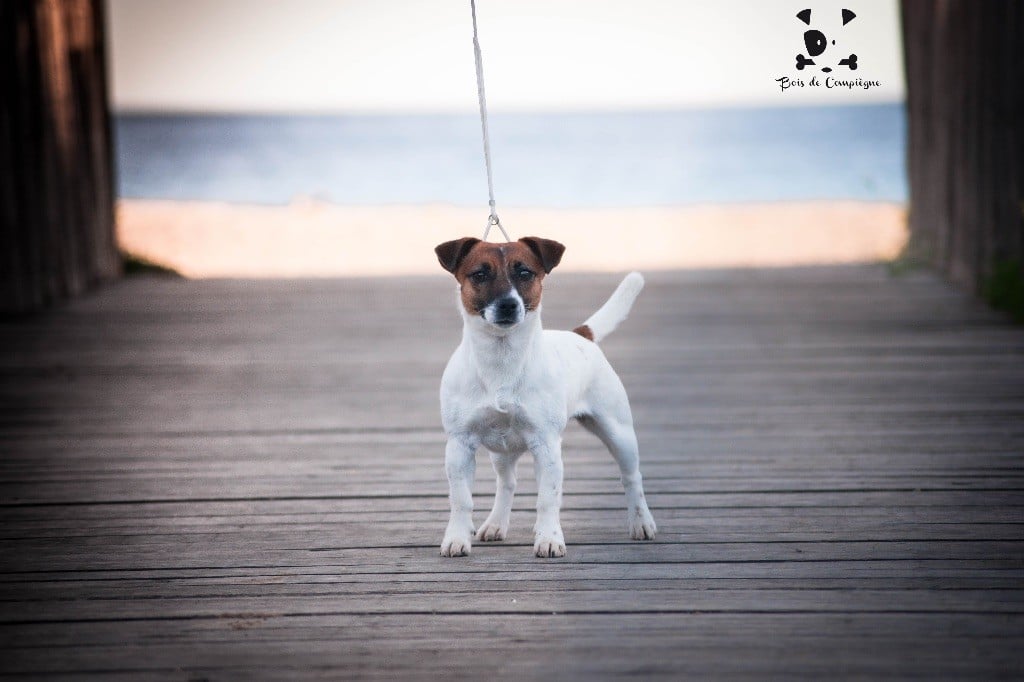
<point>802,61</point>
<point>851,62</point>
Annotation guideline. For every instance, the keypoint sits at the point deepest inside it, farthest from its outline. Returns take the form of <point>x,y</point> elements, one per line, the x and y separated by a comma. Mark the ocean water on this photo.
<point>544,160</point>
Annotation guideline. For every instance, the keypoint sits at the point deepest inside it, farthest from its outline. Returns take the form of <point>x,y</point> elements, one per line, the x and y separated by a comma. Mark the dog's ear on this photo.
<point>548,251</point>
<point>450,254</point>
<point>804,15</point>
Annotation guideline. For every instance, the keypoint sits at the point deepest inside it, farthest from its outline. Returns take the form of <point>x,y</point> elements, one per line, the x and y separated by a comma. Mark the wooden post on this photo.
<point>965,111</point>
<point>56,166</point>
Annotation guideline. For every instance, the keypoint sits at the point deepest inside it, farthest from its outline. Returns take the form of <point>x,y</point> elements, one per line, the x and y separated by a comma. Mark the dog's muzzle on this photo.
<point>505,311</point>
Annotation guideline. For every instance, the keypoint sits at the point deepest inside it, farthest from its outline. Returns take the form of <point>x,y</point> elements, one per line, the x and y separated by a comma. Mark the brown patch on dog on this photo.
<point>585,331</point>
<point>547,250</point>
<point>450,254</point>
<point>489,271</point>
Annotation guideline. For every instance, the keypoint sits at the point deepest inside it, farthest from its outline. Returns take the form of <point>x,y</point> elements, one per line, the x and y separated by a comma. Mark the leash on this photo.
<point>492,219</point>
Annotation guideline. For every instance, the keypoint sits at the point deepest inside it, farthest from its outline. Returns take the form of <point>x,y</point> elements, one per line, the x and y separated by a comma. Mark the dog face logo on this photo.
<point>817,44</point>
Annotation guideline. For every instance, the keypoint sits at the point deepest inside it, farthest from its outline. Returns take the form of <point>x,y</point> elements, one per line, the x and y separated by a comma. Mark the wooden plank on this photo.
<point>420,552</point>
<point>238,646</point>
<point>500,600</point>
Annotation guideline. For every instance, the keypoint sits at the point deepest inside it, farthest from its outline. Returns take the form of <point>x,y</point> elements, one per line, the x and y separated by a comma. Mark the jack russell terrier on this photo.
<point>511,386</point>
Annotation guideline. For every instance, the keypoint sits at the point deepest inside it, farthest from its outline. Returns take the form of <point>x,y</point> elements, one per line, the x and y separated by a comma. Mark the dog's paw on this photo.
<point>641,525</point>
<point>492,531</point>
<point>549,546</point>
<point>455,546</point>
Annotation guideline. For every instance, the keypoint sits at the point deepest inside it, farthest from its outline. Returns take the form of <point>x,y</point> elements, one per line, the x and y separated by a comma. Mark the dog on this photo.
<point>512,387</point>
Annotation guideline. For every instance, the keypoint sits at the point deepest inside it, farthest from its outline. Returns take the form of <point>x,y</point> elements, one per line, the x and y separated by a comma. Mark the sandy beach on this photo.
<point>313,239</point>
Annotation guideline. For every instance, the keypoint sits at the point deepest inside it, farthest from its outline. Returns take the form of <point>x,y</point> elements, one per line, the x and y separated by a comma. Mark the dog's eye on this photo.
<point>480,276</point>
<point>525,275</point>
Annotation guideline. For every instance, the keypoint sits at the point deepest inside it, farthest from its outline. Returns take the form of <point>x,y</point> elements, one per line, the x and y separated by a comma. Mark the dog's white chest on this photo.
<point>501,431</point>
<point>508,411</point>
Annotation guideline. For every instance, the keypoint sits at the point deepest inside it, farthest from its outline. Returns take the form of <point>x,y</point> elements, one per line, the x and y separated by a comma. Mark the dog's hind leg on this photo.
<point>496,525</point>
<point>617,433</point>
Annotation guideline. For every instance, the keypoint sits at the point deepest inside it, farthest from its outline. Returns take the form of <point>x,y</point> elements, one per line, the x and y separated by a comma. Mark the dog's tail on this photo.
<point>614,311</point>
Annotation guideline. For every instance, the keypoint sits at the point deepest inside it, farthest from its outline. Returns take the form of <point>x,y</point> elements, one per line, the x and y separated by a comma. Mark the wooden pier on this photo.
<point>236,480</point>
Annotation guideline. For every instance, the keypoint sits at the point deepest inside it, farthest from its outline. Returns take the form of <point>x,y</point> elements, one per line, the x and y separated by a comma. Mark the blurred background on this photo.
<point>272,139</point>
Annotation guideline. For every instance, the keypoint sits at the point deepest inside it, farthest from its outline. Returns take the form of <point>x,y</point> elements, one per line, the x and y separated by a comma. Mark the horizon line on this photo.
<point>500,111</point>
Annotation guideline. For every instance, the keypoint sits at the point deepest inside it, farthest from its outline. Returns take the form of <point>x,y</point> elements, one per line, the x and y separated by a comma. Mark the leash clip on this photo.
<point>494,221</point>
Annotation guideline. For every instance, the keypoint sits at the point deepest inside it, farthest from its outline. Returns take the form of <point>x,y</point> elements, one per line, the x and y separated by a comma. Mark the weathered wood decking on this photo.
<point>237,480</point>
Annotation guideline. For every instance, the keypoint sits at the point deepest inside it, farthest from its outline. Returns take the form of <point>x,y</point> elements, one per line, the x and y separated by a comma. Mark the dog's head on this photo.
<point>500,284</point>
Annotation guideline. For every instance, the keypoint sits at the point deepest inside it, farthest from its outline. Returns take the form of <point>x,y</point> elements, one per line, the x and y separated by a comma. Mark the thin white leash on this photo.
<point>492,220</point>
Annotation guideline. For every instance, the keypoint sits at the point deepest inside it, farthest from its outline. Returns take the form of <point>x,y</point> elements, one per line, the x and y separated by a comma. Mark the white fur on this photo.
<point>616,308</point>
<point>513,389</point>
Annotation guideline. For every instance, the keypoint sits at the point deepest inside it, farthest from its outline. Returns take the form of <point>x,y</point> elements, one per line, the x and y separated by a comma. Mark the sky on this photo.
<point>411,56</point>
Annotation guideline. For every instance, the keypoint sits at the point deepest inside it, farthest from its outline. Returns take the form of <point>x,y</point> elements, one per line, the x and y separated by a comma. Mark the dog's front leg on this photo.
<point>547,465</point>
<point>460,465</point>
<point>496,525</point>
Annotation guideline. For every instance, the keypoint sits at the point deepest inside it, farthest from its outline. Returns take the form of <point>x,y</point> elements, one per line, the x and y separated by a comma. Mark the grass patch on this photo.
<point>134,265</point>
<point>1004,289</point>
<point>909,260</point>
<point>903,265</point>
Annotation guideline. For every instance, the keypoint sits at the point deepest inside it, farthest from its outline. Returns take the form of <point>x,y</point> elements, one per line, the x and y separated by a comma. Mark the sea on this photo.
<point>621,159</point>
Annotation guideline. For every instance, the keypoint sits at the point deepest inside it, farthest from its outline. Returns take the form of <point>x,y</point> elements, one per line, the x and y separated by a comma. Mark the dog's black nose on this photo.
<point>506,311</point>
<point>507,307</point>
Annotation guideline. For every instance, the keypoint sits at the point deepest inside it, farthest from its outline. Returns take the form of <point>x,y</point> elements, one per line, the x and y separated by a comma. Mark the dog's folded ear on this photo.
<point>547,250</point>
<point>450,254</point>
